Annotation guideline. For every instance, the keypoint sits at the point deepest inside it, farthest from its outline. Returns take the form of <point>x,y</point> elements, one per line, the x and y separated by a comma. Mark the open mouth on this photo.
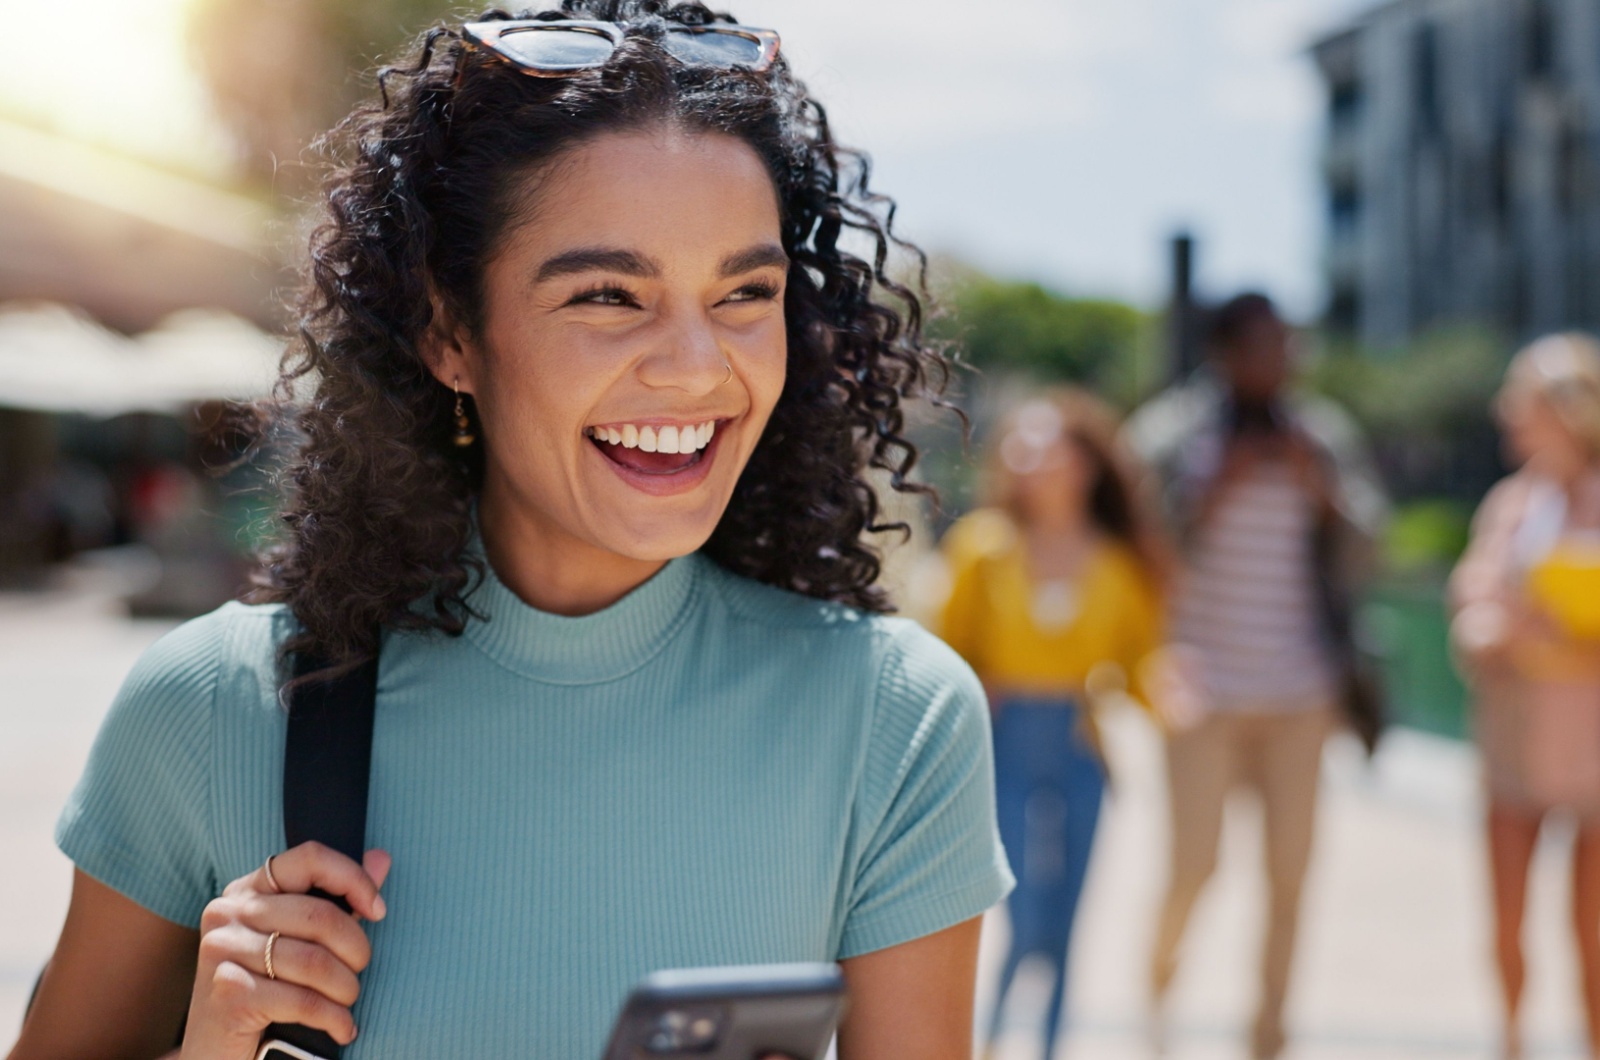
<point>654,450</point>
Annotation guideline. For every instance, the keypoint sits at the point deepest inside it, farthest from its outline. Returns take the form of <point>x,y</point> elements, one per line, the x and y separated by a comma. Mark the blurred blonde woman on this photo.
<point>1053,583</point>
<point>1527,628</point>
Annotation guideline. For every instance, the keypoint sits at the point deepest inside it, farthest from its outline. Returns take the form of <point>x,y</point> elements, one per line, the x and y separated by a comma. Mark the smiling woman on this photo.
<point>594,389</point>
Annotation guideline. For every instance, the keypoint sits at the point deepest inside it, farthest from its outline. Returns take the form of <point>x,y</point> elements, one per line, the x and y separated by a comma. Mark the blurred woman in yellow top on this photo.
<point>1054,588</point>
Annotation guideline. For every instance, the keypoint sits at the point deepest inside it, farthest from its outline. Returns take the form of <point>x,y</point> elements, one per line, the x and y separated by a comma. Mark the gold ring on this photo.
<point>272,940</point>
<point>271,881</point>
<point>729,378</point>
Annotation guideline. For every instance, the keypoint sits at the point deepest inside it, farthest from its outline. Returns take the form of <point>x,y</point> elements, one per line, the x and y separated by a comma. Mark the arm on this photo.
<point>914,999</point>
<point>122,977</point>
<point>1335,461</point>
<point>117,985</point>
<point>1481,621</point>
<point>1143,633</point>
<point>925,860</point>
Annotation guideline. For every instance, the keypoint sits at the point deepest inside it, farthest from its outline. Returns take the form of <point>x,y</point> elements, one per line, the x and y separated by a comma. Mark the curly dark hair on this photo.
<point>427,182</point>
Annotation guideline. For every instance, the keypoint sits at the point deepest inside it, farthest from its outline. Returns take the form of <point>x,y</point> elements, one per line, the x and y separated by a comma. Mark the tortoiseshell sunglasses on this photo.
<point>557,49</point>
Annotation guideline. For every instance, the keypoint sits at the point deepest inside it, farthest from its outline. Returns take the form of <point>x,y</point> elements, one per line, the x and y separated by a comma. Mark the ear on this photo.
<point>448,349</point>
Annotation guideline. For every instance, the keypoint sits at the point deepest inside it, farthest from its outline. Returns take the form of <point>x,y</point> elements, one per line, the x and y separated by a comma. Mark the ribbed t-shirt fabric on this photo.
<point>709,772</point>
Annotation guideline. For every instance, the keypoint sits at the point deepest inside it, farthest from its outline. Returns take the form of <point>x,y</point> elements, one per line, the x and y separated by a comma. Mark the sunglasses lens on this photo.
<point>556,48</point>
<point>712,48</point>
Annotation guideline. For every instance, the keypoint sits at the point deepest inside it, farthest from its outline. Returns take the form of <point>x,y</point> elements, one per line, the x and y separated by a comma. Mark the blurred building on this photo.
<point>1462,167</point>
<point>133,301</point>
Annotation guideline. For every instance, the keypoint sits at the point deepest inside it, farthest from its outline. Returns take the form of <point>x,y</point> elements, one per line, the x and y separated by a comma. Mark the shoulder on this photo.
<point>1506,501</point>
<point>1327,421</point>
<point>771,609</point>
<point>179,676</point>
<point>898,652</point>
<point>980,534</point>
<point>201,650</point>
<point>1163,424</point>
<point>921,679</point>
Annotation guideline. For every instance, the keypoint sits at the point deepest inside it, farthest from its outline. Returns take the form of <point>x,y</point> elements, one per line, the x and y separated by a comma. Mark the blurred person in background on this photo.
<point>593,381</point>
<point>1526,597</point>
<point>1054,584</point>
<point>1275,505</point>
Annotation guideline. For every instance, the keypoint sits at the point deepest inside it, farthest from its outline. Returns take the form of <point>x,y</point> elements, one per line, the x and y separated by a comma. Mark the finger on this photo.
<point>314,920</point>
<point>294,960</point>
<point>262,1001</point>
<point>313,865</point>
<point>313,967</point>
<point>377,864</point>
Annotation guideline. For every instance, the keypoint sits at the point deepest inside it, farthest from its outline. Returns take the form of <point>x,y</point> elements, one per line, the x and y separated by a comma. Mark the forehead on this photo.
<point>672,193</point>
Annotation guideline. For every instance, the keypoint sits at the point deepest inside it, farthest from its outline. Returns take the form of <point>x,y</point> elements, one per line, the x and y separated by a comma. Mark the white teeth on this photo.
<point>668,439</point>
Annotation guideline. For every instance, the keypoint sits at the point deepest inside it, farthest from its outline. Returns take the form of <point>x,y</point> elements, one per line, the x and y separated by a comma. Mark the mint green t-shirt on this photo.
<point>709,772</point>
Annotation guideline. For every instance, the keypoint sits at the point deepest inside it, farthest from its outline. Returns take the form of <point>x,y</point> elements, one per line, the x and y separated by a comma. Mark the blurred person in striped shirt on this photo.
<point>1274,503</point>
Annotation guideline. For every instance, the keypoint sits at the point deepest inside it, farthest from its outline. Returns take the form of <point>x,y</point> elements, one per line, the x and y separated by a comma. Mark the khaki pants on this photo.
<point>1278,755</point>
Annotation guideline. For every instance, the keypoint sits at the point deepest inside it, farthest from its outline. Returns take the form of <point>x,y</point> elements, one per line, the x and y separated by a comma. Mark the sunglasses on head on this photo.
<point>558,49</point>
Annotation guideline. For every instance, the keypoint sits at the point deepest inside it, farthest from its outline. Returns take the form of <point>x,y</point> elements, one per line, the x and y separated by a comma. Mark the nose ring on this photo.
<point>729,379</point>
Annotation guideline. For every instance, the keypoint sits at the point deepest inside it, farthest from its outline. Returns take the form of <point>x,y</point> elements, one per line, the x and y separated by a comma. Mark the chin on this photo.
<point>657,544</point>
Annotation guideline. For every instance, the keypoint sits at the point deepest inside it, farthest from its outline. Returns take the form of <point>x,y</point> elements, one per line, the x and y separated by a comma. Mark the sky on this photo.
<point>1057,140</point>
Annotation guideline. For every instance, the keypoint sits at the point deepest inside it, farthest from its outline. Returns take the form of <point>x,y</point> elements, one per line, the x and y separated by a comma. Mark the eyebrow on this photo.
<point>598,259</point>
<point>629,263</point>
<point>757,257</point>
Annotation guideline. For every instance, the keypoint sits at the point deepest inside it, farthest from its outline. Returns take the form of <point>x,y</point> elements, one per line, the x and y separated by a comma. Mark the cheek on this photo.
<point>765,368</point>
<point>539,386</point>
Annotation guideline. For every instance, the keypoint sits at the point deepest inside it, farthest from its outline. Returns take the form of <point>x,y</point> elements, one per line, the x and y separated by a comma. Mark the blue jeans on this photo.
<point>1049,783</point>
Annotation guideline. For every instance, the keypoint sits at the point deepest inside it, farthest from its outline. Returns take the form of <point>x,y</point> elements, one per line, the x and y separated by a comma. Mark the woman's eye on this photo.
<point>754,292</point>
<point>612,296</point>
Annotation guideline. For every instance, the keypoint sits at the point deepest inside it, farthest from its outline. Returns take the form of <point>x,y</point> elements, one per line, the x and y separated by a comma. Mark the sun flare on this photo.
<point>115,72</point>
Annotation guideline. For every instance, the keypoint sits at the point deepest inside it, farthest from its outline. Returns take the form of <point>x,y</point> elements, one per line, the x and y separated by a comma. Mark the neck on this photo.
<point>1566,472</point>
<point>552,571</point>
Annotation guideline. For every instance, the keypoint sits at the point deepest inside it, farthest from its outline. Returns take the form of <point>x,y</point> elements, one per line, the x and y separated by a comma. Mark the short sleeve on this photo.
<point>139,819</point>
<point>928,854</point>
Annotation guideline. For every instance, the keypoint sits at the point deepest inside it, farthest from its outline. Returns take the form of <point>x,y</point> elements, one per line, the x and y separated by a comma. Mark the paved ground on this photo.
<point>1394,960</point>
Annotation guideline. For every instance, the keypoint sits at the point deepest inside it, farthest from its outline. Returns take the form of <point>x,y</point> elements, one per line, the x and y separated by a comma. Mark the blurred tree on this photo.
<point>283,71</point>
<point>1023,328</point>
<point>1018,335</point>
<point>1426,409</point>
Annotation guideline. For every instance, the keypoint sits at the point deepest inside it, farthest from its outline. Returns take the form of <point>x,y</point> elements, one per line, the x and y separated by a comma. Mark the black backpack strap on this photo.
<point>327,761</point>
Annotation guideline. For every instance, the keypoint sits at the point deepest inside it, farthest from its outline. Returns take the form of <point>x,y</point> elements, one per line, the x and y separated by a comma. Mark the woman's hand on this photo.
<point>316,950</point>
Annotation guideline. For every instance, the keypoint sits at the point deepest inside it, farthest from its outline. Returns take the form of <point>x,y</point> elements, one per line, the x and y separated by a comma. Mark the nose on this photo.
<point>687,356</point>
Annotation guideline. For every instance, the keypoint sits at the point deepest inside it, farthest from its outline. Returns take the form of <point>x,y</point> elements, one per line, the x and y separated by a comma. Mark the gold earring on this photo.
<point>464,435</point>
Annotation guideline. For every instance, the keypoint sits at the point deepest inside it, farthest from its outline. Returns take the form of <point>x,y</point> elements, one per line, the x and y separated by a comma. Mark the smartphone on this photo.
<point>734,1013</point>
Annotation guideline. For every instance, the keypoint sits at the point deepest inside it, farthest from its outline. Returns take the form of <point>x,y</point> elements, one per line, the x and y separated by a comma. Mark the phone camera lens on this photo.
<point>678,1031</point>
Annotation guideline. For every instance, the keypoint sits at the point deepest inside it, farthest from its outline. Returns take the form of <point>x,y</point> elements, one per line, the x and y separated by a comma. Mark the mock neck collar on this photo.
<point>604,646</point>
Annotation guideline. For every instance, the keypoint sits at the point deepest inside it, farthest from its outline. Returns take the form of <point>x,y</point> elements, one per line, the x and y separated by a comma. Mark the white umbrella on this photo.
<point>55,359</point>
